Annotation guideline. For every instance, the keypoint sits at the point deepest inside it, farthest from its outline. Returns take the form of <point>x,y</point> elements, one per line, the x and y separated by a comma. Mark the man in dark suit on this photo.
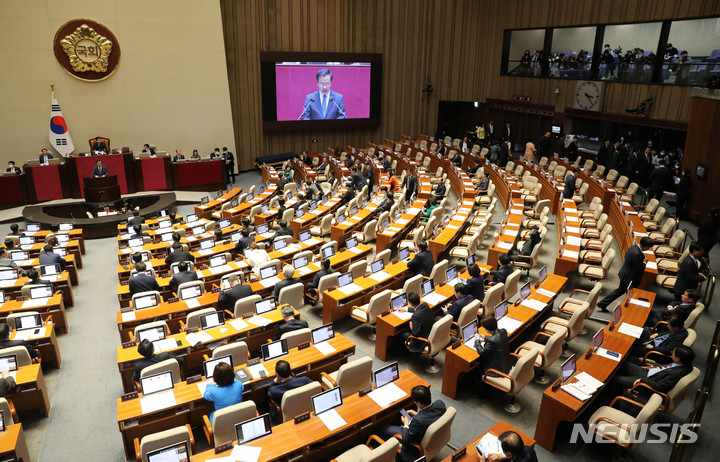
<point>184,274</point>
<point>632,168</point>
<point>440,190</point>
<point>572,148</point>
<point>289,322</point>
<point>283,382</point>
<point>663,341</point>
<point>569,190</point>
<point>421,322</point>
<point>493,349</point>
<point>324,103</point>
<point>147,350</point>
<point>462,299</point>
<point>505,147</point>
<point>464,145</point>
<point>386,163</point>
<point>229,158</point>
<point>237,291</point>
<point>99,145</point>
<point>604,153</point>
<point>178,254</point>
<point>631,271</point>
<point>689,275</point>
<point>99,170</point>
<point>138,232</point>
<point>5,342</point>
<point>423,261</point>
<point>45,156</point>
<point>688,302</point>
<point>141,282</point>
<point>136,219</point>
<point>283,231</point>
<point>13,169</point>
<point>51,258</point>
<point>34,278</point>
<point>513,450</point>
<point>370,176</point>
<point>413,430</point>
<point>659,179</point>
<point>7,384</point>
<point>476,284</point>
<point>545,146</point>
<point>507,132</point>
<point>357,178</point>
<point>244,241</point>
<point>288,273</point>
<point>324,271</point>
<point>504,270</point>
<point>410,183</point>
<point>386,204</point>
<point>178,156</point>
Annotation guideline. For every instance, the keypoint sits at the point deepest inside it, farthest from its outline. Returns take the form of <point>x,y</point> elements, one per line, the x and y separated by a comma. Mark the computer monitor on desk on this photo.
<point>8,363</point>
<point>598,339</point>
<point>177,452</point>
<point>469,330</point>
<point>157,383</point>
<point>351,242</point>
<point>268,272</point>
<point>7,274</point>
<point>209,365</point>
<point>386,374</point>
<point>32,227</point>
<point>427,287</point>
<point>218,260</point>
<point>274,350</point>
<point>542,276</point>
<point>345,279</point>
<point>210,320</point>
<point>265,305</point>
<point>190,292</point>
<point>252,429</point>
<point>398,302</point>
<point>32,321</point>
<point>377,265</point>
<point>568,369</point>
<point>41,292</point>
<point>322,333</point>
<point>327,400</point>
<point>501,309</point>
<point>152,334</point>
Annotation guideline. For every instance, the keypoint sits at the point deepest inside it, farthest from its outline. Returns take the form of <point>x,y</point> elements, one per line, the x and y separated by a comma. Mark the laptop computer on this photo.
<point>351,242</point>
<point>224,223</point>
<point>50,270</point>
<point>190,292</point>
<point>177,452</point>
<point>279,244</point>
<point>8,363</point>
<point>345,279</point>
<point>322,333</point>
<point>304,235</point>
<point>398,302</point>
<point>386,374</point>
<point>66,226</point>
<point>262,228</point>
<point>209,365</point>
<point>157,383</point>
<point>469,331</point>
<point>218,260</point>
<point>146,301</point>
<point>377,265</point>
<point>33,321</point>
<point>427,287</point>
<point>274,350</point>
<point>27,240</point>
<point>151,334</point>
<point>210,320</point>
<point>32,227</point>
<point>328,251</point>
<point>41,292</point>
<point>300,262</point>
<point>268,272</point>
<point>403,253</point>
<point>327,400</point>
<point>7,274</point>
<point>253,429</point>
<point>568,369</point>
<point>265,305</point>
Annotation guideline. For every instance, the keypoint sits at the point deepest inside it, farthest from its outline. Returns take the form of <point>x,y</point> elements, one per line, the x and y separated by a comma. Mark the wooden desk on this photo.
<point>548,189</point>
<point>452,231</point>
<point>53,310</point>
<point>71,268</point>
<point>76,234</point>
<point>314,217</point>
<point>46,344</point>
<point>236,214</point>
<point>30,391</point>
<point>568,226</point>
<point>73,247</point>
<point>509,231</point>
<point>463,359</point>
<point>12,444</point>
<point>206,210</point>
<point>399,229</point>
<point>559,406</point>
<point>496,430</point>
<point>363,417</point>
<point>190,405</point>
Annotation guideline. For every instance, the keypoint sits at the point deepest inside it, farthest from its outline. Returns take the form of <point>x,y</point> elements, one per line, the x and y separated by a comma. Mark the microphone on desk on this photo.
<point>332,98</point>
<point>312,100</point>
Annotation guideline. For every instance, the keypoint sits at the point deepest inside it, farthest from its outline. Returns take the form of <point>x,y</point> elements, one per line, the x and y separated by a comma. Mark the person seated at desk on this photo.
<point>142,282</point>
<point>283,231</point>
<point>504,270</point>
<point>15,230</point>
<point>224,390</point>
<point>195,154</point>
<point>289,322</point>
<point>306,159</point>
<point>283,382</point>
<point>423,261</point>
<point>50,257</point>
<point>427,211</point>
<point>13,169</point>
<point>301,200</point>
<point>663,341</point>
<point>324,271</point>
<point>476,284</point>
<point>513,450</point>
<point>421,322</point>
<point>139,233</point>
<point>331,179</point>
<point>288,272</point>
<point>7,384</point>
<point>178,254</point>
<point>413,430</point>
<point>462,298</point>
<point>184,274</point>
<point>256,256</point>
<point>45,156</point>
<point>475,167</point>
<point>5,342</point>
<point>494,353</point>
<point>215,154</point>
<point>394,182</point>
<point>7,262</point>
<point>136,219</point>
<point>387,202</point>
<point>244,242</point>
<point>247,224</point>
<point>99,170</point>
<point>457,160</point>
<point>219,236</point>
<point>349,194</point>
<point>660,378</point>
<point>174,219</point>
<point>146,349</point>
<point>34,276</point>
<point>147,150</point>
<point>688,302</point>
<point>237,291</point>
<point>482,187</point>
<point>99,146</point>
<point>178,156</point>
<point>440,191</point>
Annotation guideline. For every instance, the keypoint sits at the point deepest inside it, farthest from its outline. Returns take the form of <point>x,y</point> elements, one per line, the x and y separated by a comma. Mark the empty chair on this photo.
<point>649,210</point>
<point>163,366</point>
<point>588,165</point>
<point>324,228</point>
<point>438,273</point>
<point>413,284</point>
<point>514,381</point>
<point>579,196</point>
<point>245,305</point>
<point>193,318</point>
<point>653,224</point>
<point>438,339</point>
<point>222,427</point>
<point>163,439</point>
<point>548,352</point>
<point>493,295</point>
<point>298,401</point>
<point>629,195</point>
<point>594,271</point>
<point>614,425</point>
<point>467,246</point>
<point>369,232</point>
<point>292,295</point>
<point>327,281</point>
<point>662,235</point>
<point>9,413</point>
<point>369,312</point>
<point>622,183</point>
<point>296,337</point>
<point>384,256</point>
<point>200,284</point>
<point>600,171</point>
<point>511,284</point>
<point>611,176</point>
<point>351,377</point>
<point>572,326</point>
<point>238,350</point>
<point>574,302</point>
<point>150,325</point>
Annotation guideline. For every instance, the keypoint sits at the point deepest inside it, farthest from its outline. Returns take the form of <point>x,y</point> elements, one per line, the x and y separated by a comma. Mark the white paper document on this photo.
<point>33,302</point>
<point>269,281</point>
<point>238,324</point>
<point>165,344</point>
<point>433,298</point>
<point>639,302</point>
<point>651,265</point>
<point>387,394</point>
<point>221,269</point>
<point>569,254</point>
<point>325,348</point>
<point>402,221</point>
<point>332,419</point>
<point>241,453</point>
<point>509,324</point>
<point>7,282</point>
<point>489,444</point>
<point>587,383</point>
<point>356,249</point>
<point>192,303</point>
<point>545,292</point>
<point>404,315</point>
<point>380,276</point>
<point>504,245</point>
<point>255,370</point>
<point>198,337</point>
<point>577,393</point>
<point>350,288</point>
<point>205,252</point>
<point>629,329</point>
<point>127,316</point>
<point>573,240</point>
<point>202,385</point>
<point>536,305</point>
<point>572,229</point>
<point>604,353</point>
<point>157,401</point>
<point>259,321</point>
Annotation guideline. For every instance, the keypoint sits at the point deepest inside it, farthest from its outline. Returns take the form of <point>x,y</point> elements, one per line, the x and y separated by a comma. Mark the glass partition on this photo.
<point>571,55</point>
<point>526,52</point>
<point>692,55</point>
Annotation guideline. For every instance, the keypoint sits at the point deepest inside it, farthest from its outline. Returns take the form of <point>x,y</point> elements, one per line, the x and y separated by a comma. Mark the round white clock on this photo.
<point>588,96</point>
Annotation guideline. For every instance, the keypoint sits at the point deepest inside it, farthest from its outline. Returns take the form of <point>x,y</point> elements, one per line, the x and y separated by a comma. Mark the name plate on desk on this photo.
<point>194,379</point>
<point>128,344</point>
<point>173,300</point>
<point>129,396</point>
<point>303,345</point>
<point>461,453</point>
<point>365,391</point>
<point>224,447</point>
<point>302,417</point>
<point>253,362</point>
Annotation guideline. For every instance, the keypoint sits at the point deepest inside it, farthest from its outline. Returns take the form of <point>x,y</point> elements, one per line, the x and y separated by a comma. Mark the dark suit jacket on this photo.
<point>502,274</point>
<point>688,276</point>
<point>410,182</point>
<point>99,146</point>
<point>415,431</point>
<point>15,170</point>
<point>227,299</point>
<point>458,305</point>
<point>102,171</point>
<point>177,158</point>
<point>48,155</point>
<point>316,280</point>
<point>178,256</point>
<point>495,354</point>
<point>52,259</point>
<point>358,180</point>
<point>504,153</point>
<point>370,176</point>
<point>440,190</point>
<point>476,287</point>
<point>674,339</point>
<point>282,232</point>
<point>603,154</point>
<point>143,283</point>
<point>182,277</point>
<point>544,146</point>
<point>386,163</point>
<point>422,322</point>
<point>633,267</point>
<point>277,390</point>
<point>13,343</point>
<point>569,190</point>
<point>422,263</point>
<point>38,282</point>
<point>313,109</point>
<point>284,283</point>
<point>7,385</point>
<point>682,310</point>
<point>289,326</point>
<point>666,379</point>
<point>141,364</point>
<point>243,243</point>
<point>659,178</point>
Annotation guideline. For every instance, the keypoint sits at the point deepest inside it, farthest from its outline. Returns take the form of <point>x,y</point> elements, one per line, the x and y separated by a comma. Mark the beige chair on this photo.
<point>580,195</point>
<point>513,382</point>
<point>493,295</point>
<point>193,318</point>
<point>572,326</point>
<point>245,305</point>
<point>351,377</point>
<point>8,411</point>
<point>671,246</point>
<point>163,439</point>
<point>511,284</point>
<point>237,350</point>
<point>614,425</point>
<point>549,352</point>
<point>369,312</point>
<point>438,273</point>
<point>369,232</point>
<point>413,284</point>
<point>21,355</point>
<point>438,339</point>
<point>10,320</point>
<point>357,269</point>
<point>574,303</point>
<point>292,295</point>
<point>324,284</point>
<point>185,285</point>
<point>675,396</point>
<point>595,272</point>
<point>629,195</point>
<point>600,171</point>
<point>296,337</point>
<point>690,322</point>
<point>324,228</point>
<point>222,428</point>
<point>384,255</point>
<point>149,325</point>
<point>647,212</point>
<point>467,314</point>
<point>298,401</point>
<point>597,254</point>
<point>164,366</point>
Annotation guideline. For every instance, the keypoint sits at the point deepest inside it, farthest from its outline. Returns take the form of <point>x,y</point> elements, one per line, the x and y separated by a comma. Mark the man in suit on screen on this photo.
<point>323,104</point>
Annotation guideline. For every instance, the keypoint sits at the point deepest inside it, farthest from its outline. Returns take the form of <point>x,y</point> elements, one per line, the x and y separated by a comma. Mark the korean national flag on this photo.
<point>59,133</point>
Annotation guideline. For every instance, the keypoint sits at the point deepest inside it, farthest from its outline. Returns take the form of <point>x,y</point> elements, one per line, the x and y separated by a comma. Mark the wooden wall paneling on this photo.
<point>701,147</point>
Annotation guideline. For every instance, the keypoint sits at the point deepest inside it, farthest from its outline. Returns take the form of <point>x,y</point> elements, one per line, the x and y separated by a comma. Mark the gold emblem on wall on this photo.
<point>87,50</point>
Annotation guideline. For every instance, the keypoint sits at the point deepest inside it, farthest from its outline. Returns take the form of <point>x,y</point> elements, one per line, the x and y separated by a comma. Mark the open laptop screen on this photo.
<point>252,429</point>
<point>351,242</point>
<point>328,251</point>
<point>210,320</point>
<point>598,339</point>
<point>322,333</point>
<point>136,242</point>
<point>50,270</point>
<point>8,363</point>
<point>265,306</point>
<point>262,228</point>
<point>32,227</point>
<point>191,218</point>
<point>217,260</point>
<point>469,330</point>
<point>162,224</point>
<point>451,273</point>
<point>27,240</point>
<point>151,334</point>
<point>41,292</point>
<point>501,309</point>
<point>543,274</point>
<point>398,302</point>
<point>28,322</point>
<point>146,301</point>
<point>345,279</point>
<point>190,292</point>
<point>386,374</point>
<point>525,291</point>
<point>304,236</point>
<point>568,368</point>
<point>279,244</point>
<point>207,244</point>
<point>377,265</point>
<point>224,223</point>
<point>7,274</point>
<point>157,383</point>
<point>177,452</point>
<point>209,365</point>
<point>327,400</point>
<point>65,226</point>
<point>274,350</point>
<point>403,253</point>
<point>268,272</point>
<point>198,230</point>
<point>19,256</point>
<point>300,262</point>
<point>427,287</point>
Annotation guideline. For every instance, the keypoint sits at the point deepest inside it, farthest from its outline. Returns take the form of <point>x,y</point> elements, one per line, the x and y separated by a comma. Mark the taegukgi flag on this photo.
<point>59,133</point>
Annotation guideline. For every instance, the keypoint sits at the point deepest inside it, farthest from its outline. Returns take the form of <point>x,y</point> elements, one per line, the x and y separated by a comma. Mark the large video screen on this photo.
<point>319,90</point>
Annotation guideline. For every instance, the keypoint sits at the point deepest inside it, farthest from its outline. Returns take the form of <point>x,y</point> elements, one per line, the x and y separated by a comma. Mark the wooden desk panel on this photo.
<point>53,310</point>
<point>567,218</point>
<point>206,210</point>
<point>13,444</point>
<point>30,393</point>
<point>46,344</point>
